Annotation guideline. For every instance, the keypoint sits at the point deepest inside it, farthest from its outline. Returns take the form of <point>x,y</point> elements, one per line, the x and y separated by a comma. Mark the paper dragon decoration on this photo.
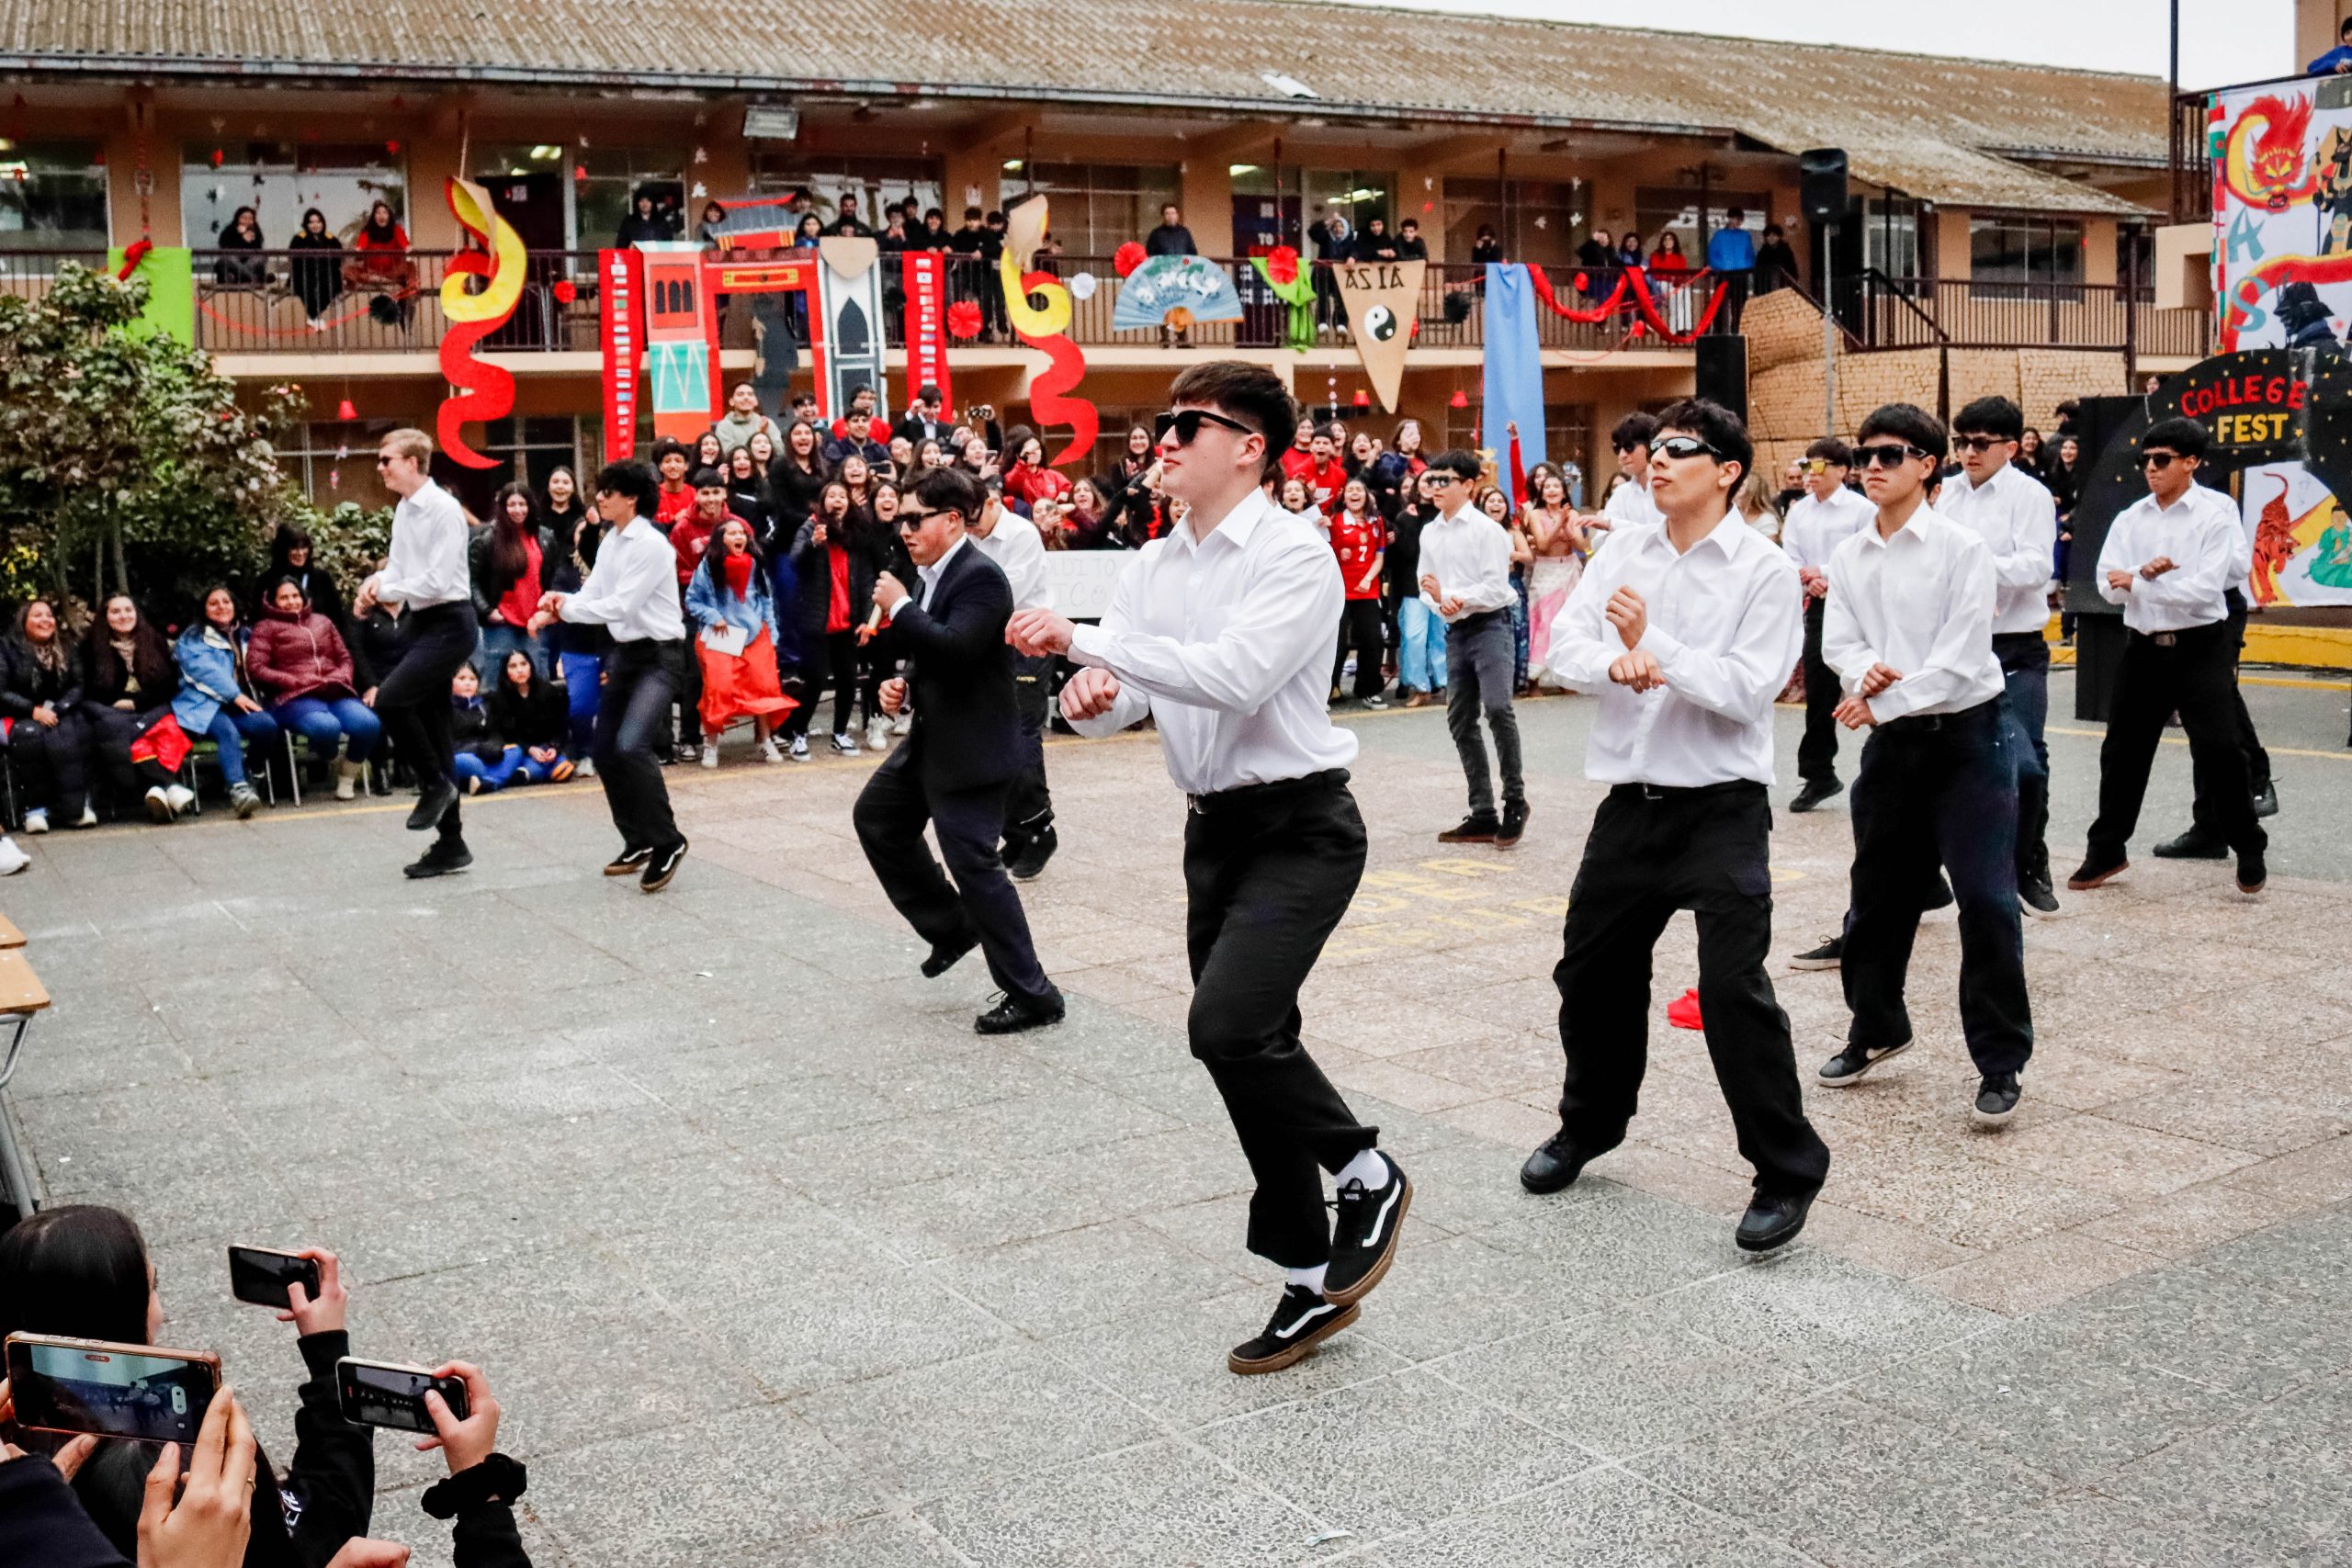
<point>1044,328</point>
<point>489,249</point>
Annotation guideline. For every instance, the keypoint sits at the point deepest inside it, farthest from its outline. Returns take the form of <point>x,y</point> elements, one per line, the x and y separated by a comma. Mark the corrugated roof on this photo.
<point>1917,123</point>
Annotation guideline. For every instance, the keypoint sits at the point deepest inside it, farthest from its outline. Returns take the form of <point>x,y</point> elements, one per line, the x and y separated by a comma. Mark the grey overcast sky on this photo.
<point>2221,41</point>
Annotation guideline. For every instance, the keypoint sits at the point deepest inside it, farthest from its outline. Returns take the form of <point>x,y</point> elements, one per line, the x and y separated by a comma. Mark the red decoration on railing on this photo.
<point>564,290</point>
<point>1636,281</point>
<point>1126,258</point>
<point>132,255</point>
<point>1282,263</point>
<point>964,319</point>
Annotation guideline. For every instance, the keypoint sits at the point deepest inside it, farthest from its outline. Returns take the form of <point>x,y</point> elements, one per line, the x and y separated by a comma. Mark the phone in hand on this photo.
<point>137,1391</point>
<point>384,1394</point>
<point>260,1275</point>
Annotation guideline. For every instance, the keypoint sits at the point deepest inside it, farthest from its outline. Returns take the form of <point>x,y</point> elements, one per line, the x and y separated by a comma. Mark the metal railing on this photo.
<point>1906,313</point>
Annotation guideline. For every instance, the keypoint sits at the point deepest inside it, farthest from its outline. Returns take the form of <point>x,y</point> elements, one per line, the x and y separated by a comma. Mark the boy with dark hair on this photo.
<point>1830,514</point>
<point>2169,559</point>
<point>1629,505</point>
<point>1465,577</point>
<point>1686,631</point>
<point>1909,630</point>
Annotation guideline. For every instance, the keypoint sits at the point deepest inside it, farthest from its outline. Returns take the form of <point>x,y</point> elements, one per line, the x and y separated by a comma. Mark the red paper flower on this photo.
<point>1582,283</point>
<point>1126,258</point>
<point>1282,263</point>
<point>964,319</point>
<point>565,291</point>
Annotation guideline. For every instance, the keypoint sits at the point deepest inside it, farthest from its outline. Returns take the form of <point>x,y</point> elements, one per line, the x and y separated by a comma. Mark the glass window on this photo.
<point>1660,210</point>
<point>1891,236</point>
<point>1537,221</point>
<point>52,197</point>
<point>1096,208</point>
<point>873,181</point>
<point>605,183</point>
<point>281,180</point>
<point>2005,252</point>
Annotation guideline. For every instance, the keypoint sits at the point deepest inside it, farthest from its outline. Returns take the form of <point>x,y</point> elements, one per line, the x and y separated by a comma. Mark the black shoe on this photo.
<point>1854,1061</point>
<point>946,956</point>
<point>1514,824</point>
<point>433,806</point>
<point>2095,871</point>
<point>662,866</point>
<point>1302,1320</point>
<point>1011,1015</point>
<point>1940,899</point>
<point>2253,873</point>
<point>1815,792</point>
<point>2039,898</point>
<point>1771,1222</point>
<point>2266,801</point>
<point>1828,955</point>
<point>1363,1238</point>
<point>1555,1164</point>
<point>1478,828</point>
<point>442,860</point>
<point>1997,1099</point>
<point>628,863</point>
<point>2195,844</point>
<point>1032,857</point>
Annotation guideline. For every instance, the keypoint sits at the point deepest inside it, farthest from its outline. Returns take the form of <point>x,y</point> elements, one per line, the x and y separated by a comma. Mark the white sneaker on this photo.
<point>710,755</point>
<point>347,779</point>
<point>37,819</point>
<point>586,770</point>
<point>902,724</point>
<point>768,754</point>
<point>877,735</point>
<point>180,795</point>
<point>89,818</point>
<point>846,745</point>
<point>159,805</point>
<point>798,750</point>
<point>12,859</point>
<point>690,753</point>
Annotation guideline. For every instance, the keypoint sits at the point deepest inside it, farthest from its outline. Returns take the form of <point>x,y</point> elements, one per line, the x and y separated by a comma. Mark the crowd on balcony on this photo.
<point>322,269</point>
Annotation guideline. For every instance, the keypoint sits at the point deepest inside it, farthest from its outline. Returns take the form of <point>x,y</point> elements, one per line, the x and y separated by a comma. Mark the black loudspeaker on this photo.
<point>1821,176</point>
<point>1722,371</point>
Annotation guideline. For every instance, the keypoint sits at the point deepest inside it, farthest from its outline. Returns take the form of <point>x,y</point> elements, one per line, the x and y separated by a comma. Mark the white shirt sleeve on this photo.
<point>1963,633</point>
<point>1741,682</point>
<point>2193,585</point>
<point>1845,646</point>
<point>2028,560</point>
<point>1289,610</point>
<point>621,582</point>
<point>2115,555</point>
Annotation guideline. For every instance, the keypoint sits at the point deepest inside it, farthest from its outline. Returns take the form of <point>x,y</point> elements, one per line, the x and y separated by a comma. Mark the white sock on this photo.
<point>1367,1167</point>
<point>1309,1279</point>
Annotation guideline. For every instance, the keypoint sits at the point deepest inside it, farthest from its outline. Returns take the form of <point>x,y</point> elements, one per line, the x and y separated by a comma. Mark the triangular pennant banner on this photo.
<point>1384,300</point>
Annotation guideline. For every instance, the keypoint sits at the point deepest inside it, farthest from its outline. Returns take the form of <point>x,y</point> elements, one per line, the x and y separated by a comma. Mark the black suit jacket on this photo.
<point>967,731</point>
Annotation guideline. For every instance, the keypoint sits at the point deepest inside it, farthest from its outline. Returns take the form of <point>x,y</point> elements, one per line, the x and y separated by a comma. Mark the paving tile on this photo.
<point>1097,1275</point>
<point>2185,1222</point>
<point>1459,1291</point>
<point>1604,1518</point>
<point>1159,1504</point>
<point>2035,1274</point>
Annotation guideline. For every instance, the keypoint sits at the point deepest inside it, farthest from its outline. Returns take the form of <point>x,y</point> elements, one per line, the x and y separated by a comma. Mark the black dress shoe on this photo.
<point>2039,898</point>
<point>2195,844</point>
<point>1035,853</point>
<point>433,806</point>
<point>1815,792</point>
<point>1302,1320</point>
<point>662,867</point>
<point>1364,1236</point>
<point>1474,829</point>
<point>2095,871</point>
<point>444,859</point>
<point>1771,1222</point>
<point>1514,825</point>
<point>1556,1163</point>
<point>1013,1014</point>
<point>946,956</point>
<point>2253,873</point>
<point>2266,801</point>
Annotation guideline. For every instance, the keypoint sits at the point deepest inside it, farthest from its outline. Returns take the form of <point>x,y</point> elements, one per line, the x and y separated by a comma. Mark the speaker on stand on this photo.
<point>1721,373</point>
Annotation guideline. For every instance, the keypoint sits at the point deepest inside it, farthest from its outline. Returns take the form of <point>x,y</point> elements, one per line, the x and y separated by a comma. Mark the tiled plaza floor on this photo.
<point>772,1260</point>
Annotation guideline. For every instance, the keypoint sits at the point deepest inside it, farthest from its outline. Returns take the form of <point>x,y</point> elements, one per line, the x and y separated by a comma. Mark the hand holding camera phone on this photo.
<point>385,1393</point>
<point>306,1286</point>
<point>57,1384</point>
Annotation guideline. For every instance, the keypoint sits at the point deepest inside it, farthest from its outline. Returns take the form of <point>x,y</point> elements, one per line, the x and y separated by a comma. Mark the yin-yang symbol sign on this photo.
<point>1380,323</point>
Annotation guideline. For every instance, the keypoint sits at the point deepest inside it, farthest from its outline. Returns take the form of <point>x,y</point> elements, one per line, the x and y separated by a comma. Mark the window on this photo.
<point>1096,208</point>
<point>281,181</point>
<point>52,197</point>
<point>604,184</point>
<point>1660,210</point>
<point>873,181</point>
<point>1891,236</point>
<point>1537,221</point>
<point>2135,259</point>
<point>2010,257</point>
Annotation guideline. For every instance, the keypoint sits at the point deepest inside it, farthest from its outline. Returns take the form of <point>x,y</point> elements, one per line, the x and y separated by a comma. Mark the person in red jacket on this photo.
<point>676,500</point>
<point>1360,538</point>
<point>1027,479</point>
<point>299,663</point>
<point>1299,458</point>
<point>1326,478</point>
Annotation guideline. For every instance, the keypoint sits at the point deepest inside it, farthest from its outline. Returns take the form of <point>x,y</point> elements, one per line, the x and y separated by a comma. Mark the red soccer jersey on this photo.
<point>1325,483</point>
<point>1298,463</point>
<point>1358,541</point>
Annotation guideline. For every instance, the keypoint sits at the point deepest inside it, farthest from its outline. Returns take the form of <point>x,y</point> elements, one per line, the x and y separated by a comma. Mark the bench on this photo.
<point>21,995</point>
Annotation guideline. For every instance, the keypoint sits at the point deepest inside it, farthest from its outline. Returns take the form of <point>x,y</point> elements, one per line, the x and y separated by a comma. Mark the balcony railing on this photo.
<point>1902,312</point>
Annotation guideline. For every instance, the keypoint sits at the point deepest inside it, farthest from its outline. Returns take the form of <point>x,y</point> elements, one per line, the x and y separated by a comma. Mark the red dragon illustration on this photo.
<point>2273,542</point>
<point>2271,167</point>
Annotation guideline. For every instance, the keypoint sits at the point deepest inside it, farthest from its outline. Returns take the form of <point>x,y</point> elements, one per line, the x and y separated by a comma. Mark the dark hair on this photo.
<point>79,1270</point>
<point>706,479</point>
<point>1633,430</point>
<point>1461,464</point>
<point>236,606</point>
<point>946,490</point>
<point>1714,424</point>
<point>510,555</point>
<point>783,453</point>
<point>310,212</point>
<point>1772,230</point>
<point>151,657</point>
<point>389,230</point>
<point>718,552</point>
<point>665,447</point>
<point>1831,450</point>
<point>1993,417</point>
<point>1910,422</point>
<point>633,480</point>
<point>288,538</point>
<point>927,392</point>
<point>1251,393</point>
<point>2185,436</point>
<point>283,580</point>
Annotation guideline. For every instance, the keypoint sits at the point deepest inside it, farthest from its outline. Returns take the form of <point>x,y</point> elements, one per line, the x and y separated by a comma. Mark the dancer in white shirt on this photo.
<point>1221,631</point>
<point>1687,629</point>
<point>1629,505</point>
<point>1909,631</point>
<point>1013,543</point>
<point>1825,517</point>
<point>2169,560</point>
<point>1465,577</point>
<point>429,578</point>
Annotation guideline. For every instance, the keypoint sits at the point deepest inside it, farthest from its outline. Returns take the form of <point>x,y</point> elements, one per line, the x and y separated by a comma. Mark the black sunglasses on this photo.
<point>2157,459</point>
<point>1888,455</point>
<point>909,521</point>
<point>1979,443</point>
<point>1187,423</point>
<point>1686,447</point>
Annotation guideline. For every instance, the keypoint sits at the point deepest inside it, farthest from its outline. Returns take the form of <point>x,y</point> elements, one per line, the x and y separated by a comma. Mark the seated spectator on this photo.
<point>504,562</point>
<point>240,234</point>
<point>1087,524</point>
<point>857,440</point>
<point>299,664</point>
<point>1049,518</point>
<point>48,736</point>
<point>735,641</point>
<point>476,749</point>
<point>216,695</point>
<point>528,722</point>
<point>292,555</point>
<point>317,274</point>
<point>127,684</point>
<point>1027,479</point>
<point>379,261</point>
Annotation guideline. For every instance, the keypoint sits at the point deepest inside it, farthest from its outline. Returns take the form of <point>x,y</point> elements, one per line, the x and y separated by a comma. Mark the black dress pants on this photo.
<point>1653,851</point>
<point>1269,870</point>
<point>1940,788</point>
<point>981,901</point>
<point>2192,674</point>
<point>2257,760</point>
<point>412,698</point>
<point>1029,803</point>
<point>55,764</point>
<point>639,684</point>
<point>1818,753</point>
<point>1360,629</point>
<point>112,733</point>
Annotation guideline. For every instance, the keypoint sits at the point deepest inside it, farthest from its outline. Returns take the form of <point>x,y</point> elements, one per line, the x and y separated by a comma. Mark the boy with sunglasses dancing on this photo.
<point>1221,631</point>
<point>1824,517</point>
<point>1909,630</point>
<point>1465,577</point>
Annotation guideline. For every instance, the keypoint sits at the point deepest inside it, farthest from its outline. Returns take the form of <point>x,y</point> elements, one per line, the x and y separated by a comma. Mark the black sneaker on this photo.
<point>1815,792</point>
<point>1011,1015</point>
<point>2266,801</point>
<point>2253,873</point>
<point>443,859</point>
<point>628,863</point>
<point>662,866</point>
<point>1032,857</point>
<point>1997,1099</point>
<point>1555,1164</point>
<point>1854,1061</point>
<point>1478,828</point>
<point>946,956</point>
<point>1828,955</point>
<point>1514,825</point>
<point>1771,1222</point>
<point>2039,898</point>
<point>1302,1320</point>
<point>2195,844</point>
<point>1941,898</point>
<point>1363,1238</point>
<point>2095,871</point>
<point>433,806</point>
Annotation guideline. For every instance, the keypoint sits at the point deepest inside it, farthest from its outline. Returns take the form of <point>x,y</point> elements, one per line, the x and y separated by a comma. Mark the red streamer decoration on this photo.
<point>1047,403</point>
<point>1635,280</point>
<point>482,391</point>
<point>132,255</point>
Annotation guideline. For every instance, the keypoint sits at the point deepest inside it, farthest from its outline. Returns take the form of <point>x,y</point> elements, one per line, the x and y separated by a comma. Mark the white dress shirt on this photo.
<point>1921,604</point>
<point>2202,533</point>
<point>1630,507</point>
<point>928,576</point>
<point>428,563</point>
<point>1227,642</point>
<point>1469,554</point>
<point>1019,551</point>
<point>1726,626</point>
<point>2012,512</point>
<point>1813,528</point>
<point>632,591</point>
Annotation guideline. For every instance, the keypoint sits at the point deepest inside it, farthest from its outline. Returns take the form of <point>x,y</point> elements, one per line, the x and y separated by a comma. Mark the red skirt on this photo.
<point>735,685</point>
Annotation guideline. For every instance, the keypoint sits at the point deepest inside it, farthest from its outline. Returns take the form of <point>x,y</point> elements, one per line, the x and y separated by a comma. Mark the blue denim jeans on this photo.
<point>583,680</point>
<point>324,721</point>
<point>233,731</point>
<point>1420,647</point>
<point>512,764</point>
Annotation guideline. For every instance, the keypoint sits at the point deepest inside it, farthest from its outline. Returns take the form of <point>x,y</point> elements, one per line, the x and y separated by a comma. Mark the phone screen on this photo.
<point>259,1275</point>
<point>115,1391</point>
<point>374,1394</point>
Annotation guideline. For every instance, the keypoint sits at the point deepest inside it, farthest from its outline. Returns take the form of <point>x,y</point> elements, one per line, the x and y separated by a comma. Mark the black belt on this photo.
<point>1928,723</point>
<point>1645,790</point>
<point>1476,617</point>
<point>1242,797</point>
<point>2172,640</point>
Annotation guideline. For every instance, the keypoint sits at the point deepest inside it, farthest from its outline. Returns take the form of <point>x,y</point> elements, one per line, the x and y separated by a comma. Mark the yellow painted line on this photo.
<point>2304,683</point>
<point>2183,740</point>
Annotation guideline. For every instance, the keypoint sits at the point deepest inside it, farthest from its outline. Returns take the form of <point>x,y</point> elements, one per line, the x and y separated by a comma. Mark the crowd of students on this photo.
<point>322,269</point>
